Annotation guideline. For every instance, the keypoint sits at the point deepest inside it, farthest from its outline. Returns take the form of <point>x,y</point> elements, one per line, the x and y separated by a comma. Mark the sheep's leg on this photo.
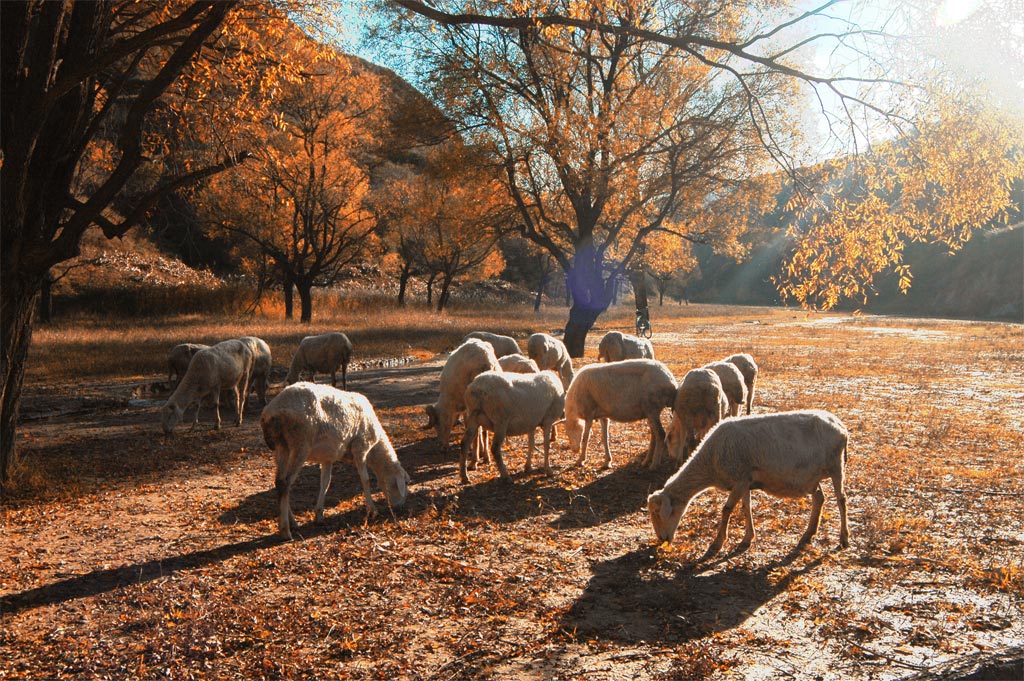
<point>839,488</point>
<point>607,450</point>
<point>334,378</point>
<point>288,468</point>
<point>584,442</point>
<point>216,407</point>
<point>344,376</point>
<point>748,516</point>
<point>325,482</point>
<point>750,397</point>
<point>723,525</point>
<point>548,437</point>
<point>364,477</point>
<point>496,442</point>
<point>195,421</point>
<point>469,436</point>
<point>239,405</point>
<point>818,500</point>
<point>529,451</point>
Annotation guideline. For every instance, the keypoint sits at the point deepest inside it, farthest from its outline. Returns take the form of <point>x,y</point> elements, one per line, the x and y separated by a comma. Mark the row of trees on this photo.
<point>606,126</point>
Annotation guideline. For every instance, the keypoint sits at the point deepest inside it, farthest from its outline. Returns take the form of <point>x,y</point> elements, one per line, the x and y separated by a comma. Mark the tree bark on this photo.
<point>289,299</point>
<point>581,321</point>
<point>442,297</point>
<point>639,282</point>
<point>544,274</point>
<point>430,290</point>
<point>306,302</point>
<point>16,308</point>
<point>46,299</point>
<point>403,282</point>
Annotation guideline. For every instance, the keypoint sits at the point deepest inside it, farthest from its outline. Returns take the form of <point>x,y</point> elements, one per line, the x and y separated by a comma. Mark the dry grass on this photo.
<point>134,556</point>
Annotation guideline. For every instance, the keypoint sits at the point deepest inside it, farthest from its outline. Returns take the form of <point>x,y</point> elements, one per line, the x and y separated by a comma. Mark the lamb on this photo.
<point>512,404</point>
<point>786,455</point>
<point>518,364</point>
<point>700,403</point>
<point>260,378</point>
<point>503,345</point>
<point>732,384</point>
<point>617,346</point>
<point>748,367</point>
<point>550,353</point>
<point>630,390</point>
<point>225,366</point>
<point>464,364</point>
<point>324,353</point>
<point>322,424</point>
<point>178,359</point>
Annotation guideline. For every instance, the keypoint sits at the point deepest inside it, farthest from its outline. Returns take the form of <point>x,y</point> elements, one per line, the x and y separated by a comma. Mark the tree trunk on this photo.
<point>289,301</point>
<point>544,274</point>
<point>403,282</point>
<point>442,297</point>
<point>591,295</point>
<point>46,299</point>
<point>16,308</point>
<point>430,290</point>
<point>306,301</point>
<point>639,282</point>
<point>581,321</point>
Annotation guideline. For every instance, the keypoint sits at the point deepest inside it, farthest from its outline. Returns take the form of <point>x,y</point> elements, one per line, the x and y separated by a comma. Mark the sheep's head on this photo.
<point>674,440</point>
<point>664,516</point>
<point>432,420</point>
<point>574,430</point>
<point>396,487</point>
<point>170,416</point>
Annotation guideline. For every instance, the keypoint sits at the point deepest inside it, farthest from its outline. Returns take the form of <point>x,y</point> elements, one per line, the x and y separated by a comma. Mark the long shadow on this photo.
<point>623,490</point>
<point>102,581</point>
<point>629,600</point>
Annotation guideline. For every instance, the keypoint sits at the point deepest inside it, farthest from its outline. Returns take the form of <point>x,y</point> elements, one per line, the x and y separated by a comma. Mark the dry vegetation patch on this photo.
<point>130,555</point>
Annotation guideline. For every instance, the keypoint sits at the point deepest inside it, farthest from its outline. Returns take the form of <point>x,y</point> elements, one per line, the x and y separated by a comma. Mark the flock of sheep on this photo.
<point>499,392</point>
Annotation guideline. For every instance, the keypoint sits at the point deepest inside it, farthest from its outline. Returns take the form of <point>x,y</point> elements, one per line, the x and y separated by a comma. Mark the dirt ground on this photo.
<point>157,557</point>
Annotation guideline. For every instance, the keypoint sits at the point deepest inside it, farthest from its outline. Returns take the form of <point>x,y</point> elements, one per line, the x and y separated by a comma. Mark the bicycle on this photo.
<point>643,323</point>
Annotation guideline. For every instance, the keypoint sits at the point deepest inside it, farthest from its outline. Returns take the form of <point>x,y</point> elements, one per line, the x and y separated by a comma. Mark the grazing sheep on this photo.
<point>260,378</point>
<point>617,346</point>
<point>503,345</point>
<point>225,366</point>
<point>178,359</point>
<point>464,364</point>
<point>512,404</point>
<point>748,367</point>
<point>324,353</point>
<point>624,391</point>
<point>321,424</point>
<point>732,384</point>
<point>550,353</point>
<point>786,455</point>
<point>700,404</point>
<point>518,364</point>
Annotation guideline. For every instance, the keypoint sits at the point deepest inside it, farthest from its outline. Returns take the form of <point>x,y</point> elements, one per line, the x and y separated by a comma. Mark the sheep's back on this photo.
<point>621,390</point>
<point>464,364</point>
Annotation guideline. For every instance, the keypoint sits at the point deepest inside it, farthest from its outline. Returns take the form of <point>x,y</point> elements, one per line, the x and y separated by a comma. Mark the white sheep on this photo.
<point>324,353</point>
<point>624,391</point>
<point>700,404</point>
<point>224,366</point>
<point>512,404</point>
<point>617,346</point>
<point>732,384</point>
<point>503,345</point>
<point>748,367</point>
<point>518,364</point>
<point>178,358</point>
<point>464,364</point>
<point>786,455</point>
<point>321,424</point>
<point>260,378</point>
<point>550,354</point>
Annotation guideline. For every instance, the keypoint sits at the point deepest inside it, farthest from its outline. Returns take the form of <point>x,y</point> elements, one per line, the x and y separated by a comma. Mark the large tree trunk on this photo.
<point>16,307</point>
<point>46,299</point>
<point>591,295</point>
<point>306,301</point>
<point>639,282</point>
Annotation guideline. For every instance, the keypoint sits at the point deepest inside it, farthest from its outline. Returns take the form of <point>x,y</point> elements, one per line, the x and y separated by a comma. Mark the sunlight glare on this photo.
<point>954,11</point>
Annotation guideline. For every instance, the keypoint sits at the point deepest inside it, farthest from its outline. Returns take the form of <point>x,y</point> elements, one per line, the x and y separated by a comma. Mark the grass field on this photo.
<point>131,555</point>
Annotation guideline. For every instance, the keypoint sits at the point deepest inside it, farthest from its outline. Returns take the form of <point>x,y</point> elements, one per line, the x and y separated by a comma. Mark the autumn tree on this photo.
<point>302,201</point>
<point>446,219</point>
<point>92,83</point>
<point>863,99</point>
<point>604,138</point>
<point>666,259</point>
